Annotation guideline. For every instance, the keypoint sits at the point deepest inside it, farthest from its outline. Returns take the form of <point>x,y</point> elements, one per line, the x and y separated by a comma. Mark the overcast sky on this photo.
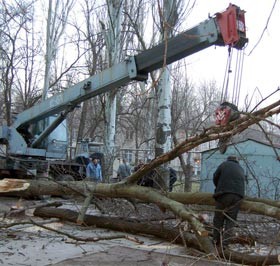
<point>260,65</point>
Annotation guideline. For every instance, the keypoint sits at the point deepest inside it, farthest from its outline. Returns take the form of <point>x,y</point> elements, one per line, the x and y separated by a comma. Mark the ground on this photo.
<point>24,243</point>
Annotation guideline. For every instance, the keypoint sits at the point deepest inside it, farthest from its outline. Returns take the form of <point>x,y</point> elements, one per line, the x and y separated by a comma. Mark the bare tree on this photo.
<point>56,24</point>
<point>114,41</point>
<point>135,105</point>
<point>15,17</point>
<point>193,109</point>
<point>90,37</point>
<point>26,89</point>
<point>136,120</point>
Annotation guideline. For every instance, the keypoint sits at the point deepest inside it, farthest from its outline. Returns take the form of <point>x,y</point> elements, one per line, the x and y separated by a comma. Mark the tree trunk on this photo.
<point>164,232</point>
<point>188,176</point>
<point>31,188</point>
<point>163,130</point>
<point>163,126</point>
<point>82,123</point>
<point>131,226</point>
<point>113,190</point>
<point>49,53</point>
<point>113,43</point>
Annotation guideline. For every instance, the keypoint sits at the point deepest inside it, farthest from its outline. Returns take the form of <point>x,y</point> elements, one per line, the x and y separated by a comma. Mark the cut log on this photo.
<point>8,185</point>
<point>123,225</point>
<point>31,188</point>
<point>122,191</point>
<point>255,260</point>
<point>175,203</point>
<point>261,206</point>
<point>163,232</point>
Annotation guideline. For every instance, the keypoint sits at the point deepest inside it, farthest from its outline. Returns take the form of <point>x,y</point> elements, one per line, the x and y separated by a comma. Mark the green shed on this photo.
<point>259,160</point>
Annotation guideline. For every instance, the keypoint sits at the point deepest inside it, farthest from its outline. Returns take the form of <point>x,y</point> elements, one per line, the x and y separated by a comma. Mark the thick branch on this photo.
<point>31,188</point>
<point>122,225</point>
<point>119,190</point>
<point>250,205</point>
<point>211,133</point>
<point>164,232</point>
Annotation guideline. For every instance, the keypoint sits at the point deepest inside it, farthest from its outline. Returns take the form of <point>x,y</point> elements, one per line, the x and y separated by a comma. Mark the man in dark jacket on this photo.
<point>172,178</point>
<point>229,180</point>
<point>123,170</point>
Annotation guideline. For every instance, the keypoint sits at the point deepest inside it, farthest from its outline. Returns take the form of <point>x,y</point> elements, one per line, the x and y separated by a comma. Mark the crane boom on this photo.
<point>212,31</point>
<point>225,28</point>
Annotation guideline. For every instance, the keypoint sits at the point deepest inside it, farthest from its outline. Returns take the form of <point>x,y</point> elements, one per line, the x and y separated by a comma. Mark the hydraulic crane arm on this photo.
<point>226,28</point>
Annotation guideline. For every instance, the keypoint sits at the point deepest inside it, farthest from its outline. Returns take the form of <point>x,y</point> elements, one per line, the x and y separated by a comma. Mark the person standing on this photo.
<point>172,178</point>
<point>94,171</point>
<point>229,181</point>
<point>124,170</point>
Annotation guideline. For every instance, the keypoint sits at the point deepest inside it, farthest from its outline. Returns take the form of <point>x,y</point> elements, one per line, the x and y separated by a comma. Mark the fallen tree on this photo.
<point>132,226</point>
<point>31,188</point>
<point>112,190</point>
<point>171,201</point>
<point>175,202</point>
<point>172,234</point>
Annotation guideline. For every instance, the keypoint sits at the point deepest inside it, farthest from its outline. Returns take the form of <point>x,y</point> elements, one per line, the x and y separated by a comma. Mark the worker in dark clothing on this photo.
<point>229,180</point>
<point>172,178</point>
<point>148,179</point>
<point>123,170</point>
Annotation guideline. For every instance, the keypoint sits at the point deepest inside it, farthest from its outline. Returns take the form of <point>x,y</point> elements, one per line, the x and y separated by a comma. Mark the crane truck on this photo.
<point>37,138</point>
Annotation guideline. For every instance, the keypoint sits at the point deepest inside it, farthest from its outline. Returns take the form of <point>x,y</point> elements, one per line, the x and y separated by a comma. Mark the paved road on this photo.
<point>126,256</point>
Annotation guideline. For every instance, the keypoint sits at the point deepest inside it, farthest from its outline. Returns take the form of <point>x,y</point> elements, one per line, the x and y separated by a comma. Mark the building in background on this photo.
<point>259,160</point>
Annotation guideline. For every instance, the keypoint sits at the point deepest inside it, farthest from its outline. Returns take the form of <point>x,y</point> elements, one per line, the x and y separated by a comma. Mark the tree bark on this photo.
<point>164,232</point>
<point>31,188</point>
<point>131,226</point>
<point>121,190</point>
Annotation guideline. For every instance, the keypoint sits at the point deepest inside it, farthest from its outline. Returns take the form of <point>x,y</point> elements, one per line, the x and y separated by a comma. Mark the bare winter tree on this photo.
<point>15,17</point>
<point>193,109</point>
<point>136,105</point>
<point>27,89</point>
<point>92,41</point>
<point>136,120</point>
<point>56,24</point>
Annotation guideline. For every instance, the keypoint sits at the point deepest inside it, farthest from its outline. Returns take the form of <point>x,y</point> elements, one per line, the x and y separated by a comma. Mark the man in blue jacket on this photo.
<point>94,171</point>
<point>229,180</point>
